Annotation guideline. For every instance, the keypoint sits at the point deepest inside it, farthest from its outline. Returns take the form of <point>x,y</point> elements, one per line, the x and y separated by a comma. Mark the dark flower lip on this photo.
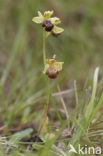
<point>48,25</point>
<point>52,72</point>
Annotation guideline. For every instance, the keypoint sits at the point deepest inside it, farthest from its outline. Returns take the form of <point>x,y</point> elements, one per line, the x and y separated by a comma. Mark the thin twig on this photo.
<point>68,91</point>
<point>1,128</point>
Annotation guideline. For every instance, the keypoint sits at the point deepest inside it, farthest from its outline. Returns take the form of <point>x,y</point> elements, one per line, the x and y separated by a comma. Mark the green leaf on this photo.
<point>37,146</point>
<point>20,135</point>
<point>91,103</point>
<point>17,137</point>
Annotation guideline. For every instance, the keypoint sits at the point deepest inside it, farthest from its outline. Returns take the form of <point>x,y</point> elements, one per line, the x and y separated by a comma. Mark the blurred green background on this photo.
<point>80,46</point>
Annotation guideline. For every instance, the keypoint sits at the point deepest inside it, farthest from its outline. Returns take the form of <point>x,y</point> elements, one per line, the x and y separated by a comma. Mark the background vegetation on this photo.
<point>22,87</point>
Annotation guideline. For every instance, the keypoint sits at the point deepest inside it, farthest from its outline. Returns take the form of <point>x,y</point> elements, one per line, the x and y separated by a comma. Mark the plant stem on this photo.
<point>44,121</point>
<point>44,42</point>
<point>44,60</point>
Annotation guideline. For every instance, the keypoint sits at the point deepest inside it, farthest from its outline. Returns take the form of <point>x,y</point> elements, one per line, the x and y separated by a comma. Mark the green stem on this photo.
<point>44,42</point>
<point>44,116</point>
<point>44,60</point>
<point>48,90</point>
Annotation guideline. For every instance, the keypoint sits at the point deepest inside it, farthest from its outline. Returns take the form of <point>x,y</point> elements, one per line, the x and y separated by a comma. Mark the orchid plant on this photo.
<point>51,66</point>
